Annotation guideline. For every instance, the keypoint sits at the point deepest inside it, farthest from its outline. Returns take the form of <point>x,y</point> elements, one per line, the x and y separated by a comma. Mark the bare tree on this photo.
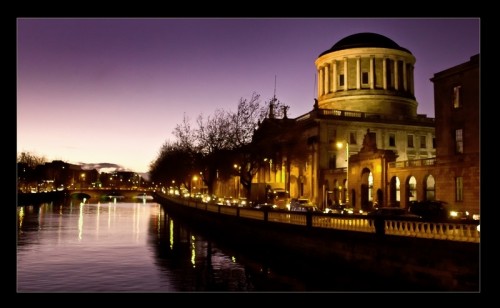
<point>185,135</point>
<point>223,140</point>
<point>174,164</point>
<point>30,159</point>
<point>213,137</point>
<point>253,149</point>
<point>28,172</point>
<point>245,120</point>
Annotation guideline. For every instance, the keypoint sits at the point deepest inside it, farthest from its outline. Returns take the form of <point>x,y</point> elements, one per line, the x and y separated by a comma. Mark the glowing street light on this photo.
<point>340,145</point>
<point>82,176</point>
<point>194,181</point>
<point>237,180</point>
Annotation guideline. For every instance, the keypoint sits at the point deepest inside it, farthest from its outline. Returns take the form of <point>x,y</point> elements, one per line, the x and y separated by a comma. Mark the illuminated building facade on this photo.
<point>456,99</point>
<point>365,103</point>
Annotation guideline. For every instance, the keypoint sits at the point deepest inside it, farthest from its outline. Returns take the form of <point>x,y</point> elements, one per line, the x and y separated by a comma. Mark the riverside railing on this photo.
<point>451,231</point>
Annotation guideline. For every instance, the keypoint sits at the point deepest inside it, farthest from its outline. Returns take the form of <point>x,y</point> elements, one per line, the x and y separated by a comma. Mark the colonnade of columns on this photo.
<point>330,80</point>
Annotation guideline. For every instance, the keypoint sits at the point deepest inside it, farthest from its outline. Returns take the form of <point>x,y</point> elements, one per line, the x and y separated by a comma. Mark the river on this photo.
<point>135,246</point>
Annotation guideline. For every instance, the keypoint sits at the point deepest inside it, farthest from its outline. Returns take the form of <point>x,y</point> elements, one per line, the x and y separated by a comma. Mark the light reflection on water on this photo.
<point>137,247</point>
<point>70,248</point>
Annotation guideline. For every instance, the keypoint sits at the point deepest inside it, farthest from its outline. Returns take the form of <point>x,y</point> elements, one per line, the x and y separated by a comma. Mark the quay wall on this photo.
<point>434,264</point>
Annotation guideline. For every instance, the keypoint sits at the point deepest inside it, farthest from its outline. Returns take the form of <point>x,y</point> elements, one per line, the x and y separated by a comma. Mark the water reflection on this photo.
<point>141,248</point>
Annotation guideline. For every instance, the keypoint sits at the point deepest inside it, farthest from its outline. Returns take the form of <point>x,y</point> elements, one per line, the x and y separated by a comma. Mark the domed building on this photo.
<point>367,72</point>
<point>363,123</point>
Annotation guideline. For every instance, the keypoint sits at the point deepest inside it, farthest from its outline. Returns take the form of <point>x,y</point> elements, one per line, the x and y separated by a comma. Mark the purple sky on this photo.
<point>113,90</point>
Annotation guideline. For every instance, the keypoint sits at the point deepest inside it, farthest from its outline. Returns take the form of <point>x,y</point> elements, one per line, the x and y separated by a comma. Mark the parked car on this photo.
<point>228,201</point>
<point>305,208</point>
<point>348,210</point>
<point>334,209</point>
<point>243,202</point>
<point>302,205</point>
<point>265,206</point>
<point>342,209</point>
<point>437,210</point>
<point>296,202</point>
<point>392,212</point>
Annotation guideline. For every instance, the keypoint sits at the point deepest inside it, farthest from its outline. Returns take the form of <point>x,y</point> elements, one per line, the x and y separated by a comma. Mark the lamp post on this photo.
<point>82,176</point>
<point>341,145</point>
<point>195,182</point>
<point>200,182</point>
<point>237,179</point>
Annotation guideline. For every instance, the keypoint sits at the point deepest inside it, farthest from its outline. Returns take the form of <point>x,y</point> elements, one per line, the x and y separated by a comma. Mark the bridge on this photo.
<point>108,194</point>
<point>91,195</point>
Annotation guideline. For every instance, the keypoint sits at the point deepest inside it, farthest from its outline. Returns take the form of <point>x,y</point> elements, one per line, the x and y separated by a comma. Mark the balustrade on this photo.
<point>432,230</point>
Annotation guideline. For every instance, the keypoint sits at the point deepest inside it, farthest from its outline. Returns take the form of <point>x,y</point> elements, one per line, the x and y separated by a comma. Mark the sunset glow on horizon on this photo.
<point>113,90</point>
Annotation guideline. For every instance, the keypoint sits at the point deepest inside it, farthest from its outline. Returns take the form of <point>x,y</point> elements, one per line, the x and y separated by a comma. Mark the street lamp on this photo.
<point>238,179</point>
<point>195,182</point>
<point>82,181</point>
<point>340,145</point>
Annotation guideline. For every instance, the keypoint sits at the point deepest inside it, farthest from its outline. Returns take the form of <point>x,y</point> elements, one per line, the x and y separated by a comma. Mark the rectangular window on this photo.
<point>423,142</point>
<point>332,133</point>
<point>341,80</point>
<point>352,138</point>
<point>410,141</point>
<point>332,162</point>
<point>392,140</point>
<point>459,188</point>
<point>459,141</point>
<point>433,142</point>
<point>457,97</point>
<point>364,78</point>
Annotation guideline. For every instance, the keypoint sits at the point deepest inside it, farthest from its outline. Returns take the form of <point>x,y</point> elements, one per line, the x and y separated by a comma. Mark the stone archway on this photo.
<point>394,192</point>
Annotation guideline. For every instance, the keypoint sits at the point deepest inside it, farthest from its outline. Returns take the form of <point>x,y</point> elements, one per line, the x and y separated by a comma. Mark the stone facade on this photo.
<point>376,95</point>
<point>406,161</point>
<point>456,95</point>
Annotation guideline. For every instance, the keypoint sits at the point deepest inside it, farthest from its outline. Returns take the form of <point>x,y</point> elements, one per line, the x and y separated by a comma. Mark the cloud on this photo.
<point>110,167</point>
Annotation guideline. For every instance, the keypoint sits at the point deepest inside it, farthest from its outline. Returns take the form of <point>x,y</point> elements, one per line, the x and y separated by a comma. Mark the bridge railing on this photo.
<point>465,232</point>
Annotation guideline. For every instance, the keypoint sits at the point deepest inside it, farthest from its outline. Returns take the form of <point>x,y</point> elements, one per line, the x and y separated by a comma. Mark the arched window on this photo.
<point>394,192</point>
<point>412,189</point>
<point>430,188</point>
<point>398,190</point>
<point>370,187</point>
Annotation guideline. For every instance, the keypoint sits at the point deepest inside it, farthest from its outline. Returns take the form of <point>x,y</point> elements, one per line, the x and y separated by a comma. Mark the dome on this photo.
<point>364,39</point>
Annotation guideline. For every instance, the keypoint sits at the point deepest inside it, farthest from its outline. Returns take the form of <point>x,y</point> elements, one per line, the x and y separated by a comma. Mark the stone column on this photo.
<point>320,82</point>
<point>345,74</point>
<point>396,74</point>
<point>334,76</point>
<point>405,77</point>
<point>372,72</point>
<point>327,79</point>
<point>358,73</point>
<point>384,73</point>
